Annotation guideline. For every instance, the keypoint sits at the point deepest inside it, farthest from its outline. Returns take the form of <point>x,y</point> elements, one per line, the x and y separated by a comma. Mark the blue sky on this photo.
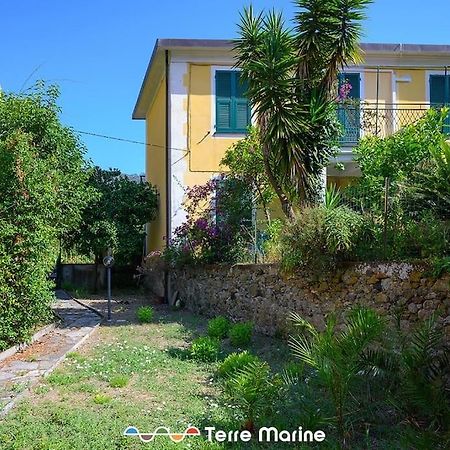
<point>98,50</point>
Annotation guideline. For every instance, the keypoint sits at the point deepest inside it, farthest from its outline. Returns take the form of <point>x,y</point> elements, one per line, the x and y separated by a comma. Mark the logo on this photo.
<point>162,431</point>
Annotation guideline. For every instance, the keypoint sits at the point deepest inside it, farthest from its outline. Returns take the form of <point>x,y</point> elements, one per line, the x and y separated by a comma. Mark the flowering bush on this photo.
<point>213,229</point>
<point>344,90</point>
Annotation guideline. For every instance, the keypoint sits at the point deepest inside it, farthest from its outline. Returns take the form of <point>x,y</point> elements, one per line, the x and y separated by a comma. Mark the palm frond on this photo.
<point>303,350</point>
<point>302,323</point>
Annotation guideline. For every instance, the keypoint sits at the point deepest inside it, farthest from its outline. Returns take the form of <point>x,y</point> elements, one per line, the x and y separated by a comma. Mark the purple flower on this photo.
<point>201,224</point>
<point>344,90</point>
<point>213,232</point>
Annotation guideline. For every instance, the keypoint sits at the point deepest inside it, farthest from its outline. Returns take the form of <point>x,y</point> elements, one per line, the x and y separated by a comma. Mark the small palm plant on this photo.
<point>418,371</point>
<point>254,391</point>
<point>337,357</point>
<point>424,376</point>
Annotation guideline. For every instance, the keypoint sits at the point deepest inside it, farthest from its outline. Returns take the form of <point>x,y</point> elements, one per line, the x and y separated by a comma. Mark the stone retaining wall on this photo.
<point>261,294</point>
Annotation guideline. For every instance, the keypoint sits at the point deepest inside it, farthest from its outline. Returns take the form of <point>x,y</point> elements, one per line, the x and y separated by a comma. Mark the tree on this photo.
<point>245,162</point>
<point>398,155</point>
<point>292,78</point>
<point>338,358</point>
<point>43,192</point>
<point>115,217</point>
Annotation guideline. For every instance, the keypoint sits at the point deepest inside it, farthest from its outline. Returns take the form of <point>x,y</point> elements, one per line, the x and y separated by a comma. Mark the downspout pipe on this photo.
<point>167,287</point>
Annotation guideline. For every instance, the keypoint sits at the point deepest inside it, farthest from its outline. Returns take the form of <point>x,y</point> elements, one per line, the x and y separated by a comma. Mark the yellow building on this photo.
<point>194,110</point>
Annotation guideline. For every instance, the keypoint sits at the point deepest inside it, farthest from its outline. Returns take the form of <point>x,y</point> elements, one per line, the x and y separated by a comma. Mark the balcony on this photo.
<point>360,120</point>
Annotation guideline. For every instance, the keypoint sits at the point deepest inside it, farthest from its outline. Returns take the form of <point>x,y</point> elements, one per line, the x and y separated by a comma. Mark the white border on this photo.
<point>178,116</point>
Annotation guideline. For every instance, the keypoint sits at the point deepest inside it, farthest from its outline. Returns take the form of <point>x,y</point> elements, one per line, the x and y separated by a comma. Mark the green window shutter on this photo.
<point>439,89</point>
<point>355,81</point>
<point>223,101</point>
<point>242,115</point>
<point>242,105</point>
<point>440,95</point>
<point>350,116</point>
<point>232,107</point>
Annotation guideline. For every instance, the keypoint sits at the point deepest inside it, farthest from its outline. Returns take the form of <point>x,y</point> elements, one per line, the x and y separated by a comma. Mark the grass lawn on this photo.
<point>133,374</point>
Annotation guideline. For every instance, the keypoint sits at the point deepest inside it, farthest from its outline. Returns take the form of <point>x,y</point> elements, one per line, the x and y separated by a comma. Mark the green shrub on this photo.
<point>119,381</point>
<point>293,372</point>
<point>439,266</point>
<point>43,191</point>
<point>253,390</point>
<point>235,362</point>
<point>424,237</point>
<point>205,349</point>
<point>416,371</point>
<point>241,334</point>
<point>101,399</point>
<point>271,243</point>
<point>145,314</point>
<point>218,327</point>
<point>397,155</point>
<point>319,237</point>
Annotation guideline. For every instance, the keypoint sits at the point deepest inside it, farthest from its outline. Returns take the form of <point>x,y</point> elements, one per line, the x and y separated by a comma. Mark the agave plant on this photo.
<point>292,77</point>
<point>333,197</point>
<point>337,357</point>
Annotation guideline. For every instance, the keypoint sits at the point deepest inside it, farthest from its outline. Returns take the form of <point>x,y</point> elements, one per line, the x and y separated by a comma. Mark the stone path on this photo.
<point>20,372</point>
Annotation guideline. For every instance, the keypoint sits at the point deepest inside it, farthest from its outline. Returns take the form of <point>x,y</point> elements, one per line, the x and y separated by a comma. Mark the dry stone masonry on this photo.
<point>262,294</point>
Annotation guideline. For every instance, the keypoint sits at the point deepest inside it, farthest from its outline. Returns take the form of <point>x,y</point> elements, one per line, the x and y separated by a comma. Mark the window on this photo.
<point>232,107</point>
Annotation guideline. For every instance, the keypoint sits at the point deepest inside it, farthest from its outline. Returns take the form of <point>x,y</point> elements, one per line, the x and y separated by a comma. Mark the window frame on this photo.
<point>237,133</point>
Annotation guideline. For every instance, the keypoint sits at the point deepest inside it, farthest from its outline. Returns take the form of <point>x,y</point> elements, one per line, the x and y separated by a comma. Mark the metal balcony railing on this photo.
<point>360,120</point>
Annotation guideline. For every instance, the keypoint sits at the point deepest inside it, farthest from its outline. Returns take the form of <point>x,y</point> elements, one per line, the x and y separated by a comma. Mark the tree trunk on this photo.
<point>286,204</point>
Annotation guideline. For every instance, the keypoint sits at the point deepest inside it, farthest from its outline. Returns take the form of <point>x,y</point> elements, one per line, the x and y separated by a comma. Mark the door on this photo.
<point>349,111</point>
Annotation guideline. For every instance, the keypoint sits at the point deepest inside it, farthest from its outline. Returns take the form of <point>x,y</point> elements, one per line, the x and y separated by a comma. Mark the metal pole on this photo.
<point>255,229</point>
<point>378,97</point>
<point>109,293</point>
<point>59,266</point>
<point>386,212</point>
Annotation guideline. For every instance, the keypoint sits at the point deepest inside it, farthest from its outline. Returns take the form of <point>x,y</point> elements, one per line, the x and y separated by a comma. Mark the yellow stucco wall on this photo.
<point>384,87</point>
<point>206,149</point>
<point>411,95</point>
<point>155,165</point>
<point>385,100</point>
<point>412,92</point>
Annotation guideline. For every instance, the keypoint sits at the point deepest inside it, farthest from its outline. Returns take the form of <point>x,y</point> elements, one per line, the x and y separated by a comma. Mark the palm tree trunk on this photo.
<point>286,205</point>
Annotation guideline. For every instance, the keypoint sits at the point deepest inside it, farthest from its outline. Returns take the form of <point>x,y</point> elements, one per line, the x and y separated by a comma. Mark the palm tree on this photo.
<point>338,358</point>
<point>292,75</point>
